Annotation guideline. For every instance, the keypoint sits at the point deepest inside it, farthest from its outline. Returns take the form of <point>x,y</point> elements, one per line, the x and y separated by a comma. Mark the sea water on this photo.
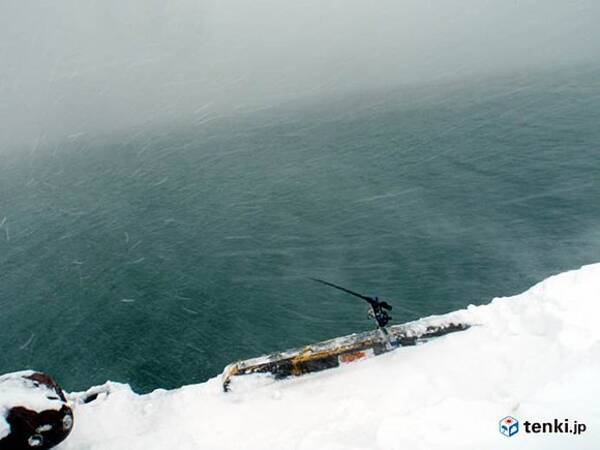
<point>157,256</point>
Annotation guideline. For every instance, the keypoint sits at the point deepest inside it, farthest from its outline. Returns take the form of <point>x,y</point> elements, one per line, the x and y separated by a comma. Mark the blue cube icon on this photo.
<point>509,426</point>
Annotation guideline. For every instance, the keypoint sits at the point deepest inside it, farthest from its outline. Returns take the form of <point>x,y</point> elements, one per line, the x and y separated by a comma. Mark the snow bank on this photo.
<point>535,356</point>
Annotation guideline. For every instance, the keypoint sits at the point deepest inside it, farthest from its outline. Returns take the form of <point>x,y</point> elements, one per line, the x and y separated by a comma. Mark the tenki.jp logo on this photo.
<point>509,426</point>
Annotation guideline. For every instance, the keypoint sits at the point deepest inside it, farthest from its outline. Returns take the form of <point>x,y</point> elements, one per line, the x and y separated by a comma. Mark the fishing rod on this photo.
<point>379,309</point>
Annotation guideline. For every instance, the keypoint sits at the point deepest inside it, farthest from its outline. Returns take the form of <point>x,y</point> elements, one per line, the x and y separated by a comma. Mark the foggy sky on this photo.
<point>73,66</point>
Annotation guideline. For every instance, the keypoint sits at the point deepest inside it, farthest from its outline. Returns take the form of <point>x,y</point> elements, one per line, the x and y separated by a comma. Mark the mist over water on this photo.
<point>69,67</point>
<point>158,255</point>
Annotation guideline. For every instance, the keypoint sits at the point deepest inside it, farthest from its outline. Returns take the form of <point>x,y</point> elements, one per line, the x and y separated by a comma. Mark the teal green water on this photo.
<point>156,257</point>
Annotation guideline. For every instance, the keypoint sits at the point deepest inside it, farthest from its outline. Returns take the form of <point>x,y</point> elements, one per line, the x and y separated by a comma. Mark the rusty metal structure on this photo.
<point>339,351</point>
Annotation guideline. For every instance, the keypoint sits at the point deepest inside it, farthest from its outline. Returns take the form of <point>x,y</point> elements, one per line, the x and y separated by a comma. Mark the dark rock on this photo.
<point>35,408</point>
<point>40,378</point>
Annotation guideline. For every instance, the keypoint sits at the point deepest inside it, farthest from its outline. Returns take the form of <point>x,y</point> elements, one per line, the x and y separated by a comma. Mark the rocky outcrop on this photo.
<point>34,413</point>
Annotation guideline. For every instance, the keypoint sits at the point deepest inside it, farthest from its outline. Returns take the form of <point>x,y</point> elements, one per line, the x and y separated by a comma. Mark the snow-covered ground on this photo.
<point>534,356</point>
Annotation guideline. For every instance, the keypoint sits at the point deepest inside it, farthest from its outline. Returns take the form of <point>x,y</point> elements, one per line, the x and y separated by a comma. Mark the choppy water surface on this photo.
<point>156,257</point>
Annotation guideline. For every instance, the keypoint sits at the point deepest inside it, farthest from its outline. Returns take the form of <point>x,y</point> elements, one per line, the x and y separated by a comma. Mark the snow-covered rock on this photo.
<point>33,412</point>
<point>534,356</point>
